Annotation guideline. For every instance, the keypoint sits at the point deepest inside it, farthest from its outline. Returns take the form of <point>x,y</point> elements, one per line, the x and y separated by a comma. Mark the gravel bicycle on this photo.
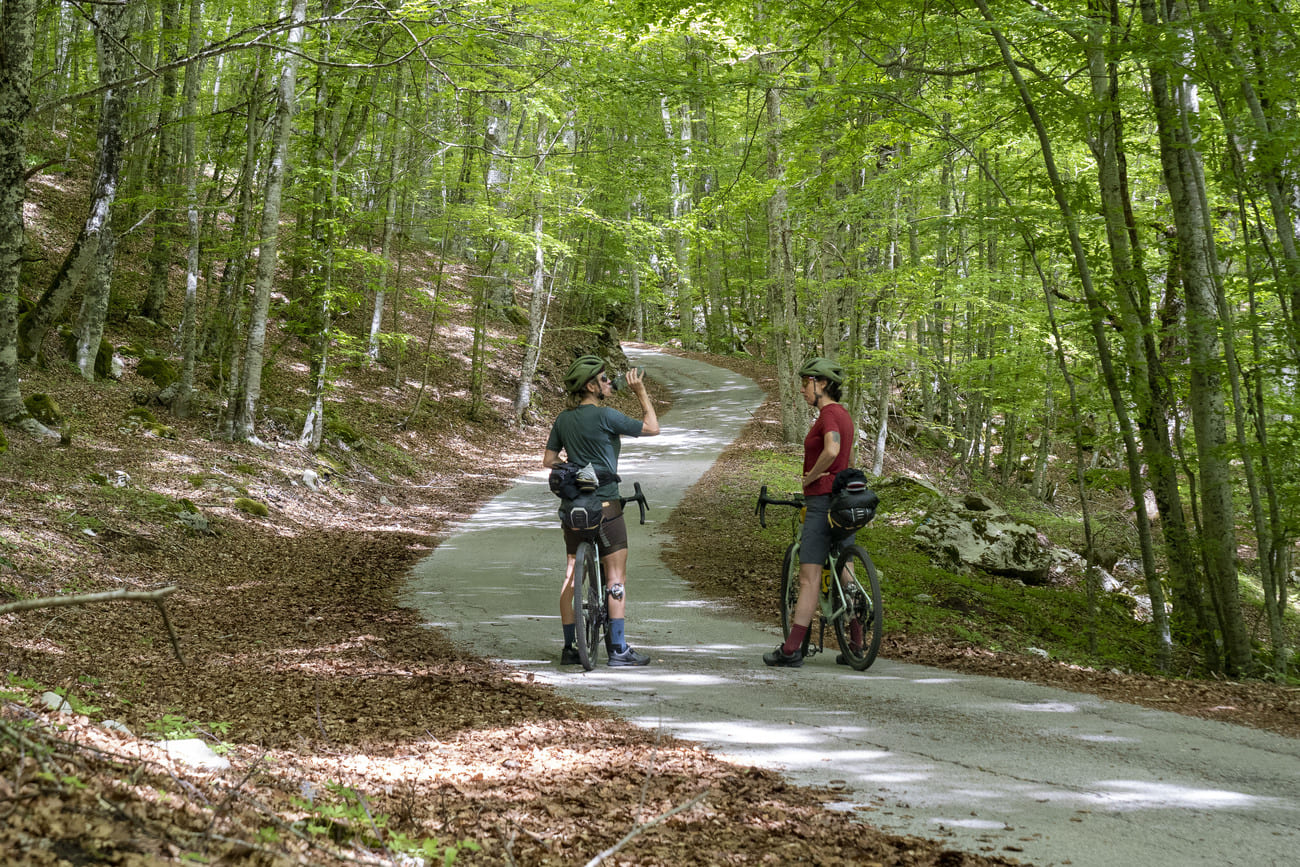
<point>591,596</point>
<point>850,604</point>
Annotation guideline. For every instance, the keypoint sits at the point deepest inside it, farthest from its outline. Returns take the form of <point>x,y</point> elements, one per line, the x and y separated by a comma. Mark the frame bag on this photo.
<point>852,504</point>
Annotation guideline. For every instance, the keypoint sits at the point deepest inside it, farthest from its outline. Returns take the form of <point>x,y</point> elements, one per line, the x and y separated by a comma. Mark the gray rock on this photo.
<point>56,702</point>
<point>195,521</point>
<point>974,533</point>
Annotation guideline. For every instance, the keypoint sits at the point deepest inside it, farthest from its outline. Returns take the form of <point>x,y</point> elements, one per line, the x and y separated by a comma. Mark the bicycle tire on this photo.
<point>586,604</point>
<point>862,598</point>
<point>789,587</point>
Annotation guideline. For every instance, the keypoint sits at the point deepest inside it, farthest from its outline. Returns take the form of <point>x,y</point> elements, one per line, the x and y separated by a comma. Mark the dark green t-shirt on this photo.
<point>591,434</point>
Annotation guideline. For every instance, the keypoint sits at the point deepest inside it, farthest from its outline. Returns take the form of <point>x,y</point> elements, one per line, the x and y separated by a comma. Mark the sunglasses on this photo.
<point>604,378</point>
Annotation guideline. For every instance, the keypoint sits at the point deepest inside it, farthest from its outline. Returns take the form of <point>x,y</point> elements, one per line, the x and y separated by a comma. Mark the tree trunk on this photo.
<point>165,214</point>
<point>1084,272</point>
<point>17,38</point>
<point>323,219</point>
<point>110,36</point>
<point>190,98</point>
<point>111,28</point>
<point>1175,104</point>
<point>390,225</point>
<point>224,332</point>
<point>539,302</point>
<point>245,400</point>
<point>787,353</point>
<point>1148,381</point>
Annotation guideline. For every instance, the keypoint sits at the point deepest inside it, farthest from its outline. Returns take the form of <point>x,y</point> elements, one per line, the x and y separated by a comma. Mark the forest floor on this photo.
<point>347,723</point>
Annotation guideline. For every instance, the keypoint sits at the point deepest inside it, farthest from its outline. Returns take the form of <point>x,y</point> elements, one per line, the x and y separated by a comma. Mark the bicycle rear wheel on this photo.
<point>861,595</point>
<point>789,585</point>
<point>586,604</point>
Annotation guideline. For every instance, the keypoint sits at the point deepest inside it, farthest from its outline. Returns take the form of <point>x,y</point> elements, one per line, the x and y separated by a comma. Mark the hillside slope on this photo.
<point>351,730</point>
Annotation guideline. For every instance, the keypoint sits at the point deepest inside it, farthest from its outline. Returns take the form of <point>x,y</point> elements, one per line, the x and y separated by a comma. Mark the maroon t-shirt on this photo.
<point>833,417</point>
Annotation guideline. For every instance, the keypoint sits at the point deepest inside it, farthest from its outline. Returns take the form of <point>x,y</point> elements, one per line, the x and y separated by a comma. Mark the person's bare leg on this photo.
<point>566,593</point>
<point>615,568</point>
<point>810,579</point>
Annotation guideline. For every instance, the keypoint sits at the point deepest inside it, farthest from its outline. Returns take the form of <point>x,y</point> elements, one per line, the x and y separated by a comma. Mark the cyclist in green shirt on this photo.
<point>591,433</point>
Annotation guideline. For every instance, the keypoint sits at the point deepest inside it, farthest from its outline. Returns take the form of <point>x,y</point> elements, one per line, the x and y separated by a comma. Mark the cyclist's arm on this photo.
<point>650,419</point>
<point>550,458</point>
<point>830,451</point>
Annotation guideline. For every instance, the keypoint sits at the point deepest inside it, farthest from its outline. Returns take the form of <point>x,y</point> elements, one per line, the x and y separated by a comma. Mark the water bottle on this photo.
<point>620,381</point>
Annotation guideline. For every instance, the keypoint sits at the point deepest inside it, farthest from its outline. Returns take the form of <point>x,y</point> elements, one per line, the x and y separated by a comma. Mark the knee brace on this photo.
<point>615,591</point>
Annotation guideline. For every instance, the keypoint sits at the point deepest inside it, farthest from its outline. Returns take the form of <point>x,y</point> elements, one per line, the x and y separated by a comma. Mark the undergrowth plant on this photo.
<point>346,817</point>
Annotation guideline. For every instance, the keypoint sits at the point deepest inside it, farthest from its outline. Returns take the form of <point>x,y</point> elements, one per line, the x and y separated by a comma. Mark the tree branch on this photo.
<point>154,596</point>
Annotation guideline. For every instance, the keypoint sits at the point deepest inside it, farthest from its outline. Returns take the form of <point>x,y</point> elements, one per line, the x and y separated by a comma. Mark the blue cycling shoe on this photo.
<point>627,657</point>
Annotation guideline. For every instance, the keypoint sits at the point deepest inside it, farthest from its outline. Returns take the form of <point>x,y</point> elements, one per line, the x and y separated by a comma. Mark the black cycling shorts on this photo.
<point>611,537</point>
<point>817,539</point>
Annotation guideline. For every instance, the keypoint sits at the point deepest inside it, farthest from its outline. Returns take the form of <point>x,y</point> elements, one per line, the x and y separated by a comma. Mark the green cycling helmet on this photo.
<point>582,371</point>
<point>822,368</point>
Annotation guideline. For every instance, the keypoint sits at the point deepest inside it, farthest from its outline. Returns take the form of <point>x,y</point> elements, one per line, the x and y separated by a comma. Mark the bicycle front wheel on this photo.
<point>586,604</point>
<point>858,628</point>
<point>789,588</point>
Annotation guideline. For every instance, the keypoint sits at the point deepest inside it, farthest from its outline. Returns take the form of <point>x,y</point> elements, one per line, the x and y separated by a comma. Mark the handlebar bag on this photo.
<point>852,504</point>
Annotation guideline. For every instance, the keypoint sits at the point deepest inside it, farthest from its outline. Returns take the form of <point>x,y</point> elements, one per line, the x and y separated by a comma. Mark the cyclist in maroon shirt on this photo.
<point>826,451</point>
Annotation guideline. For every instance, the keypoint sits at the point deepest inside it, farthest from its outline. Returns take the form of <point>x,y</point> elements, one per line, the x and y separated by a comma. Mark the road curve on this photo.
<point>987,765</point>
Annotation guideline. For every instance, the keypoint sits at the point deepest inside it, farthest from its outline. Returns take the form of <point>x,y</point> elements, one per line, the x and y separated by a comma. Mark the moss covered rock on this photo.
<point>140,415</point>
<point>42,407</point>
<point>157,369</point>
<point>104,360</point>
<point>252,507</point>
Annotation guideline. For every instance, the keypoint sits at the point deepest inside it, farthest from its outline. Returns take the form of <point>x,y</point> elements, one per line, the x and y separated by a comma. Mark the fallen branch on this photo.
<point>154,596</point>
<point>641,829</point>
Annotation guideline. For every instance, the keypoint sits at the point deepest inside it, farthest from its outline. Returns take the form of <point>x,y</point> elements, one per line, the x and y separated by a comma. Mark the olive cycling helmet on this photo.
<point>823,368</point>
<point>582,371</point>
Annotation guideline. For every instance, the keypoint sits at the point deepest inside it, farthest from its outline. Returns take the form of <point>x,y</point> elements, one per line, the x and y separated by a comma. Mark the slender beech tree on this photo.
<point>244,401</point>
<point>17,37</point>
<point>113,23</point>
<point>191,169</point>
<point>1176,106</point>
<point>84,257</point>
<point>539,297</point>
<point>165,217</point>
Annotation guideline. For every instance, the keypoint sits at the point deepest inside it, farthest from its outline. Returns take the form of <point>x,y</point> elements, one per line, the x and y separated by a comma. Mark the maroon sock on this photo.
<point>794,642</point>
<point>855,633</point>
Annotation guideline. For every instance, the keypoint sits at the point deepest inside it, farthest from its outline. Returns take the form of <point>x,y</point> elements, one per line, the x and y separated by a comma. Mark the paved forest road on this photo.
<point>1059,777</point>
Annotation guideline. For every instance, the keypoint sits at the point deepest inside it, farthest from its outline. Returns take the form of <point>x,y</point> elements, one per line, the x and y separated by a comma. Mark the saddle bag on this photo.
<point>582,514</point>
<point>852,504</point>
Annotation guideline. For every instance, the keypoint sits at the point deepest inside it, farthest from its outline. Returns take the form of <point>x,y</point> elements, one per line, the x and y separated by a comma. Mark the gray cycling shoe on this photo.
<point>781,659</point>
<point>627,657</point>
<point>569,656</point>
